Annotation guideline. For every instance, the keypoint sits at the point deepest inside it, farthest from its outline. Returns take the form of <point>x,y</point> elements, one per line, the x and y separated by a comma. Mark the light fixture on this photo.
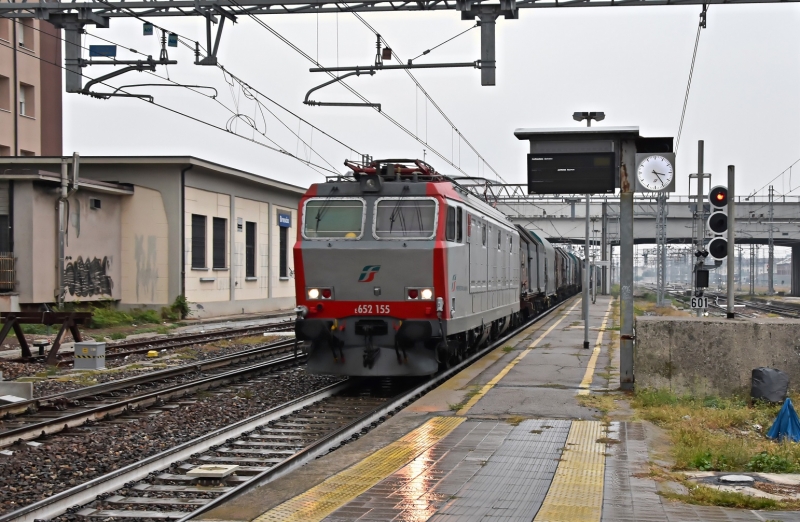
<point>426,293</point>
<point>313,293</point>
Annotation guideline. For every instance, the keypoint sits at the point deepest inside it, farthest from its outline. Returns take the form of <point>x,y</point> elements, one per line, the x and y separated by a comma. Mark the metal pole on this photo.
<point>586,282</point>
<point>488,21</point>
<point>771,262</point>
<point>731,238</point>
<point>701,211</point>
<point>627,167</point>
<point>604,249</point>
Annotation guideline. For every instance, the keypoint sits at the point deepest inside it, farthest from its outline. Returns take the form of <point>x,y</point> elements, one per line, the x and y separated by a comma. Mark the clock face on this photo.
<point>655,173</point>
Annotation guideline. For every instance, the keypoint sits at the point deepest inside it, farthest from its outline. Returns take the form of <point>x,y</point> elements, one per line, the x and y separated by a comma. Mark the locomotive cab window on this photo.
<point>333,218</point>
<point>459,225</point>
<point>450,229</point>
<point>405,218</point>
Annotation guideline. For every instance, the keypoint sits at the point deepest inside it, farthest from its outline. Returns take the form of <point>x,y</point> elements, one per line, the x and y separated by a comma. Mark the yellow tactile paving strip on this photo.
<point>497,378</point>
<point>576,493</point>
<point>328,496</point>
<point>589,375</point>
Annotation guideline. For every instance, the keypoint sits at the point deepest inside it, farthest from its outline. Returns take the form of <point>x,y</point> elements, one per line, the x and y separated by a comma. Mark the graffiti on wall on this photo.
<point>88,278</point>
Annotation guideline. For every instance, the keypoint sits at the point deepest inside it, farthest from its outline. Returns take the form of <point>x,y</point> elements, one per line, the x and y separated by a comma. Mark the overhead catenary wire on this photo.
<point>236,116</point>
<point>700,27</point>
<point>194,118</point>
<point>427,96</point>
<point>305,55</point>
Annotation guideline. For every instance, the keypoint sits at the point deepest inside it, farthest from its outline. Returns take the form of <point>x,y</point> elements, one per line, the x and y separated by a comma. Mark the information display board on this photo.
<point>571,173</point>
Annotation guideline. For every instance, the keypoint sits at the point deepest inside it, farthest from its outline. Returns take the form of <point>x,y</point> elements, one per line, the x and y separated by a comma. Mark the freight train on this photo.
<point>402,271</point>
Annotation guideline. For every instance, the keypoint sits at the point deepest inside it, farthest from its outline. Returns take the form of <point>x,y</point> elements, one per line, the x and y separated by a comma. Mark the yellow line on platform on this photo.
<point>489,385</point>
<point>576,493</point>
<point>589,375</point>
<point>336,491</point>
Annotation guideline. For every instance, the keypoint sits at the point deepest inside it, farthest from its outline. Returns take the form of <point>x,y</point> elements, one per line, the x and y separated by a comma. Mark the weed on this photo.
<point>35,329</point>
<point>245,394</point>
<point>606,440</point>
<point>515,420</point>
<point>705,496</point>
<point>162,330</point>
<point>472,392</point>
<point>768,463</point>
<point>99,338</point>
<point>508,349</point>
<point>117,336</point>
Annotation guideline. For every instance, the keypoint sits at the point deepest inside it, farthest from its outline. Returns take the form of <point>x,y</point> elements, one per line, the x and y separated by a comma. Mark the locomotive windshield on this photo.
<point>405,218</point>
<point>334,218</point>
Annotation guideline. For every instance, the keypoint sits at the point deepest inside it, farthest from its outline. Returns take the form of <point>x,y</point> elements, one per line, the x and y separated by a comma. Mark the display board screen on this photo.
<point>571,173</point>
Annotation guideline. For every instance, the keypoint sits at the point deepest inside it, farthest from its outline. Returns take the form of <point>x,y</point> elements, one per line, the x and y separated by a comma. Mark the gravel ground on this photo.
<point>66,380</point>
<point>80,454</point>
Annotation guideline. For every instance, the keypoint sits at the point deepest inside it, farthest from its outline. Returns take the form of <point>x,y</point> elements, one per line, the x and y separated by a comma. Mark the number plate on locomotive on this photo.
<point>372,309</point>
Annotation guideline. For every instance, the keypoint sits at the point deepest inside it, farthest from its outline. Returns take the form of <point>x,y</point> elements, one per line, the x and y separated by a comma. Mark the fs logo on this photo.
<point>368,273</point>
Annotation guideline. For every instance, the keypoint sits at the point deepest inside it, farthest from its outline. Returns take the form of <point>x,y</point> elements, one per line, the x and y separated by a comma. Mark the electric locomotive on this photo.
<point>400,271</point>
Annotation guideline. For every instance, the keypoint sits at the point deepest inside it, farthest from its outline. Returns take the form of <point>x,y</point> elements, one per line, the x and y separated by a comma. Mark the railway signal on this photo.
<point>717,223</point>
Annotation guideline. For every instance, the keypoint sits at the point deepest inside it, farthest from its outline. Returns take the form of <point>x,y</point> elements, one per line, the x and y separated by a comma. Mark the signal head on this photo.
<point>718,222</point>
<point>718,196</point>
<point>718,248</point>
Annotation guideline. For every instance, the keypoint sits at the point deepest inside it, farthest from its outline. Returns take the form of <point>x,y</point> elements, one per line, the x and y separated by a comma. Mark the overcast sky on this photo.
<point>631,62</point>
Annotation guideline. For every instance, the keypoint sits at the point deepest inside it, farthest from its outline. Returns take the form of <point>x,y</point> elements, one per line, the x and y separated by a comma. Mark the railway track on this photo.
<point>51,414</point>
<point>124,349</point>
<point>263,448</point>
<point>719,302</point>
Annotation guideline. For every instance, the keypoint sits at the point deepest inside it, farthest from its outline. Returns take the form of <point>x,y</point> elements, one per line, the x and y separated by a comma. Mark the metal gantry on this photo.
<point>661,250</point>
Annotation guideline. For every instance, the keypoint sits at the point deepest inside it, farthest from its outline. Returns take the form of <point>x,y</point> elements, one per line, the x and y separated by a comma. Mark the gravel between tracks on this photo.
<point>80,454</point>
<point>66,380</point>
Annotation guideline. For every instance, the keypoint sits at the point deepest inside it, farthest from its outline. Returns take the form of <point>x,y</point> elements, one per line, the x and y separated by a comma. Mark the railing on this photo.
<point>7,271</point>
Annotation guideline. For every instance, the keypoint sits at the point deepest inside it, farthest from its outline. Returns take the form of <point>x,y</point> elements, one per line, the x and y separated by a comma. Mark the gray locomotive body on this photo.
<point>400,271</point>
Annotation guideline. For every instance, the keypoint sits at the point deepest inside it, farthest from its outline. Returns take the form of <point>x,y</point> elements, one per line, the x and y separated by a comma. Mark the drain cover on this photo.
<point>736,479</point>
<point>212,471</point>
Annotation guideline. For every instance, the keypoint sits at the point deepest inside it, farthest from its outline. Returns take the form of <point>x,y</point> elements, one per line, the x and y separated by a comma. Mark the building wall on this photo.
<point>208,284</point>
<point>93,261</point>
<point>51,90</point>
<point>145,249</point>
<point>255,287</point>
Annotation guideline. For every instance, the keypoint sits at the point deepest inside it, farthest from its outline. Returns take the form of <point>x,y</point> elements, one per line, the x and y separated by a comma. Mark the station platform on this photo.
<point>514,437</point>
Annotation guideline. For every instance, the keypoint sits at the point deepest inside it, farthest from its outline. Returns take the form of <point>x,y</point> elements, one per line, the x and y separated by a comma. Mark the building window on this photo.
<point>25,33</point>
<point>5,30</point>
<point>5,91</point>
<point>250,249</point>
<point>198,241</point>
<point>5,150</point>
<point>27,100</point>
<point>219,244</point>
<point>283,266</point>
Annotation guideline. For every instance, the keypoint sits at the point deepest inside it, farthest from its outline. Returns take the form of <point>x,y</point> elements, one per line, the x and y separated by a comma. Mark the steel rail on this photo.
<point>329,442</point>
<point>70,420</point>
<point>59,503</point>
<point>146,378</point>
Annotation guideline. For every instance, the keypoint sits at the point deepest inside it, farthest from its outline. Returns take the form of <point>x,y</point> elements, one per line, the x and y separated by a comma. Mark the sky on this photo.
<point>630,62</point>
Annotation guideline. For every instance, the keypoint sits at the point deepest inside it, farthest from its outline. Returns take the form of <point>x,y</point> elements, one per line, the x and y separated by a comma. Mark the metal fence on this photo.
<point>7,272</point>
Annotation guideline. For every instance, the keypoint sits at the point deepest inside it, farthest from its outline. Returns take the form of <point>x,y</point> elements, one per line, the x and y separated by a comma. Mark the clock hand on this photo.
<point>658,176</point>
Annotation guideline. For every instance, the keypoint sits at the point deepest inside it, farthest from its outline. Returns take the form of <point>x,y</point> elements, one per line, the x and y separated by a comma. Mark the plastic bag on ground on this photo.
<point>769,384</point>
<point>786,425</point>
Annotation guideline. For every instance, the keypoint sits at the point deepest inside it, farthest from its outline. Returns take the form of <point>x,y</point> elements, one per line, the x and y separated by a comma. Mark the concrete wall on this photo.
<point>251,287</point>
<point>208,284</point>
<point>92,265</point>
<point>713,356</point>
<point>145,249</point>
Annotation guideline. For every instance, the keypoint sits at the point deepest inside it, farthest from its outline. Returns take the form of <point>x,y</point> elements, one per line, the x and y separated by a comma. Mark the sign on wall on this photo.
<point>284,220</point>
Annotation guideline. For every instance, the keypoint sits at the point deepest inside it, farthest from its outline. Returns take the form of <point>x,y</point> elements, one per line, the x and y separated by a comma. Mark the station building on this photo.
<point>142,231</point>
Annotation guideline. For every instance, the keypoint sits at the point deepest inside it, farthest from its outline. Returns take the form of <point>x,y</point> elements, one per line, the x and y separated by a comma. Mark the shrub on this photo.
<point>769,463</point>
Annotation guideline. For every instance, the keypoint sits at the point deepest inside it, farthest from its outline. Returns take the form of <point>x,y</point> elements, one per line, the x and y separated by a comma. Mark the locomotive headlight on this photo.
<point>313,293</point>
<point>426,293</point>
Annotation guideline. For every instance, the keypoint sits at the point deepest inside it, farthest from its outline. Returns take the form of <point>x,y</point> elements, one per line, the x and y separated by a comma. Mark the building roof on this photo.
<point>580,133</point>
<point>156,160</point>
<point>52,177</point>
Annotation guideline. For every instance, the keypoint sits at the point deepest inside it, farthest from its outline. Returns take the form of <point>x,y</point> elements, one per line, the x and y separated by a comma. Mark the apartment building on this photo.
<point>30,89</point>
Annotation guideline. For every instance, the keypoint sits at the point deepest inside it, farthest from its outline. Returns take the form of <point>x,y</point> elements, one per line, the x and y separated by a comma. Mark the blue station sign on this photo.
<point>284,220</point>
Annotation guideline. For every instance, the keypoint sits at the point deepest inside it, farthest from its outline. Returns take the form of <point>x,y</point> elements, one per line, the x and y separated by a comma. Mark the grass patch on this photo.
<point>515,420</point>
<point>603,403</point>
<point>705,496</point>
<point>472,392</point>
<point>715,434</point>
<point>508,349</point>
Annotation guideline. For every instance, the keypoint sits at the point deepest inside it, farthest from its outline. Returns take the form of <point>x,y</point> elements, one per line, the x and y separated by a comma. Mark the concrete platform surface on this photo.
<point>509,438</point>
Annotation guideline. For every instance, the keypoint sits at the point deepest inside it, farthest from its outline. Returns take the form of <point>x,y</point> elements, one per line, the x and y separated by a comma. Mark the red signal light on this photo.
<point>720,197</point>
<point>326,293</point>
<point>413,293</point>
